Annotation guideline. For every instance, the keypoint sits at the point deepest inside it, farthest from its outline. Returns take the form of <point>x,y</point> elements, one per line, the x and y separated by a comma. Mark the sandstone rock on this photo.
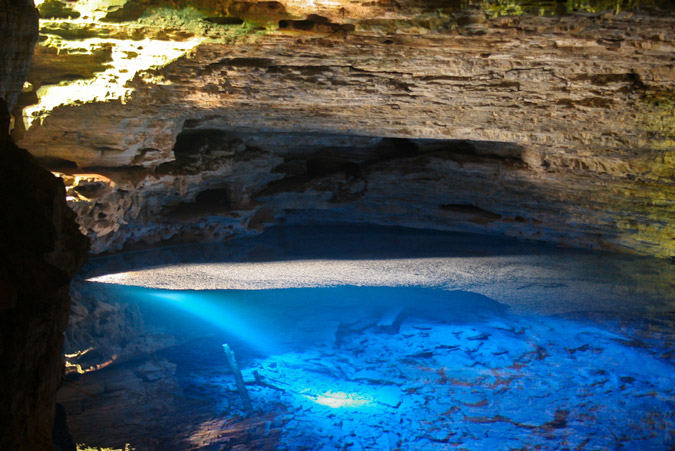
<point>555,128</point>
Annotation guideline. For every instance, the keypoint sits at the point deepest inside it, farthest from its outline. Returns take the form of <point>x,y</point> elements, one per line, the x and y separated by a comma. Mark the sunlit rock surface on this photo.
<point>545,121</point>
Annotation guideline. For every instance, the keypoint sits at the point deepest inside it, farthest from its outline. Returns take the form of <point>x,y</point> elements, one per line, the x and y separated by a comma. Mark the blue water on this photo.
<point>455,369</point>
<point>406,367</point>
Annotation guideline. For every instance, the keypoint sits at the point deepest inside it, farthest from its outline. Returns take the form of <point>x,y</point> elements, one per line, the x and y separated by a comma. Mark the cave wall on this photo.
<point>18,35</point>
<point>40,250</point>
<point>542,121</point>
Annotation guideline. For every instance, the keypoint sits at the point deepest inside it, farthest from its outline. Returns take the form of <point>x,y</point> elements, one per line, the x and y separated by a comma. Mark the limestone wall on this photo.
<point>548,124</point>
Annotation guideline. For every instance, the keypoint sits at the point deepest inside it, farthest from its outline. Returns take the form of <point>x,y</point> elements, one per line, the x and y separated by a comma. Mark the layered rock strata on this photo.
<point>558,128</point>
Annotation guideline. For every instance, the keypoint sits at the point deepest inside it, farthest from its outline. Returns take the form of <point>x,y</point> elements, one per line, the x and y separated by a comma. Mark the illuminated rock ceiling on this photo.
<point>543,120</point>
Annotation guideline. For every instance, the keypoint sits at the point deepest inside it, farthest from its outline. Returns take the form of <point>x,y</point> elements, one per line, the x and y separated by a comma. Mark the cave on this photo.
<point>350,225</point>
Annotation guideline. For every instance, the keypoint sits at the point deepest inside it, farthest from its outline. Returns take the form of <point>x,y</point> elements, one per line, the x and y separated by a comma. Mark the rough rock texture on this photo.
<point>18,34</point>
<point>558,128</point>
<point>40,250</point>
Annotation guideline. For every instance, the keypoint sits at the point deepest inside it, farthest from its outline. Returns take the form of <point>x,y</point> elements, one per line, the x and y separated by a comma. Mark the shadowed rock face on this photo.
<point>40,250</point>
<point>556,127</point>
<point>18,35</point>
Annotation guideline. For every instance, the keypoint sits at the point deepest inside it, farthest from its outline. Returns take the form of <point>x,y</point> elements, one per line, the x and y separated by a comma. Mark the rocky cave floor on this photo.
<point>379,365</point>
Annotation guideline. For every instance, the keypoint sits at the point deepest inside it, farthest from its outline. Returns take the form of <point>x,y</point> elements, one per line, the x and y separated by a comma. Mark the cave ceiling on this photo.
<point>186,120</point>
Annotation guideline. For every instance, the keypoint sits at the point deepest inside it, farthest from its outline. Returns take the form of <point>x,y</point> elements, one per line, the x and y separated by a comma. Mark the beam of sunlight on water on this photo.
<point>218,314</point>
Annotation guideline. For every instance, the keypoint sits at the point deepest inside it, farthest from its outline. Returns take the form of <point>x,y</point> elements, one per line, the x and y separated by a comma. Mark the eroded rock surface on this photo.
<point>556,127</point>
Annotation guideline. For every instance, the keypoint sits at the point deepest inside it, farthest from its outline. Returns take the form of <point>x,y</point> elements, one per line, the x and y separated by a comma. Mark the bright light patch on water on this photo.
<point>218,313</point>
<point>498,277</point>
<point>459,365</point>
<point>458,368</point>
<point>285,274</point>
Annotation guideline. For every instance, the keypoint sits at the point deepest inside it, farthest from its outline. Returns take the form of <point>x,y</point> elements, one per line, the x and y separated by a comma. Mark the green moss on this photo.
<point>498,8</point>
<point>594,6</point>
<point>194,22</point>
<point>156,22</point>
<point>658,119</point>
<point>142,9</point>
<point>662,99</point>
<point>184,18</point>
<point>54,9</point>
<point>138,10</point>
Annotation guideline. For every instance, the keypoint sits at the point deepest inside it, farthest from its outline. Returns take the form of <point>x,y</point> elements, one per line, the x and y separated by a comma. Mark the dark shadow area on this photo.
<point>316,24</point>
<point>224,20</point>
<point>210,202</point>
<point>57,164</point>
<point>195,148</point>
<point>293,242</point>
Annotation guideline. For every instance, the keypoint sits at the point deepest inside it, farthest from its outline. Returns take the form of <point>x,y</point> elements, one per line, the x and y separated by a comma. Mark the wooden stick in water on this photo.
<point>241,387</point>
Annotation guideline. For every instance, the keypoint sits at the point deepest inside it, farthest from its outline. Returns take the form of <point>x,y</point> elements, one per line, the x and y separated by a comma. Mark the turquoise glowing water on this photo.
<point>565,353</point>
<point>459,371</point>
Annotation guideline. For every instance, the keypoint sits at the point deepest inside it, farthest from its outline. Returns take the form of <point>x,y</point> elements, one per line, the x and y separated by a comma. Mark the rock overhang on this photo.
<point>578,102</point>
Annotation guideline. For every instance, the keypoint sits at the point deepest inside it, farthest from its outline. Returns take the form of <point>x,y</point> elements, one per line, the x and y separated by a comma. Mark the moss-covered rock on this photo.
<point>498,8</point>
